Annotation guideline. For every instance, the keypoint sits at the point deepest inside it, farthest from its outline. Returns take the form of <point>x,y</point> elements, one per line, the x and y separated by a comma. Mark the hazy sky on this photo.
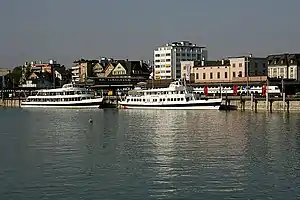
<point>70,29</point>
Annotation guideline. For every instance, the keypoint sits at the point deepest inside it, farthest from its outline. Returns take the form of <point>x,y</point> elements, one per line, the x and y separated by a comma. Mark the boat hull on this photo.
<point>72,104</point>
<point>201,105</point>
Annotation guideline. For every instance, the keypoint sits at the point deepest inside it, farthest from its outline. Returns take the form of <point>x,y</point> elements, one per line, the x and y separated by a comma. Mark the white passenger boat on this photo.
<point>68,96</point>
<point>176,96</point>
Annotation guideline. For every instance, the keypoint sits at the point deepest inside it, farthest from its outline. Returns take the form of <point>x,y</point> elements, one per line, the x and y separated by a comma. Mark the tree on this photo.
<point>13,78</point>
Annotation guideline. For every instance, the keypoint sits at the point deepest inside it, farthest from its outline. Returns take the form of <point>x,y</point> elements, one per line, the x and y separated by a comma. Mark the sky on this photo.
<point>66,30</point>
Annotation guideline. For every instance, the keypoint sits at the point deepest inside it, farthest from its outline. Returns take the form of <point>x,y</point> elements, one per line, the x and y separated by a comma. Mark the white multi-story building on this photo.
<point>167,58</point>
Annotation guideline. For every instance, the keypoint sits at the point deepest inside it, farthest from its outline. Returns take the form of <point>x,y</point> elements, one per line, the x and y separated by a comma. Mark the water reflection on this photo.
<point>140,153</point>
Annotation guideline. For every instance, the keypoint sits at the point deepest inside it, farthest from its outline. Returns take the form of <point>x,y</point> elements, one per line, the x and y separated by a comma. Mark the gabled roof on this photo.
<point>113,64</point>
<point>42,74</point>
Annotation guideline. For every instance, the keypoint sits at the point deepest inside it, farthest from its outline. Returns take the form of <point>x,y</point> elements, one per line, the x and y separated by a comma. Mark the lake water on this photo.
<point>140,154</point>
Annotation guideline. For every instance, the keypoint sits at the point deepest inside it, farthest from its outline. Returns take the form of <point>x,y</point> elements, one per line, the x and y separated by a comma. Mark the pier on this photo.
<point>262,103</point>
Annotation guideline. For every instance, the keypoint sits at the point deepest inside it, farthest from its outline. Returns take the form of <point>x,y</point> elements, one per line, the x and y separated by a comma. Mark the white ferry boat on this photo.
<point>176,96</point>
<point>68,96</point>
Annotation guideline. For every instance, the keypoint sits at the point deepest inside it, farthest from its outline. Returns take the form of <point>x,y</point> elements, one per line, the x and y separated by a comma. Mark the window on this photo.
<point>168,54</point>
<point>225,75</point>
<point>233,74</point>
<point>204,75</point>
<point>197,76</point>
<point>211,75</point>
<point>256,65</point>
<point>233,65</point>
<point>218,75</point>
<point>157,55</point>
<point>240,73</point>
<point>264,65</point>
<point>168,60</point>
<point>281,71</point>
<point>184,67</point>
<point>240,64</point>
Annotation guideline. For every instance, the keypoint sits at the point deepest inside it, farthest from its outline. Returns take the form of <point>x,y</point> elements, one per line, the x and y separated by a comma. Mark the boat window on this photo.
<point>182,99</point>
<point>72,92</point>
<point>171,99</point>
<point>178,99</point>
<point>83,98</point>
<point>144,100</point>
<point>168,99</point>
<point>187,99</point>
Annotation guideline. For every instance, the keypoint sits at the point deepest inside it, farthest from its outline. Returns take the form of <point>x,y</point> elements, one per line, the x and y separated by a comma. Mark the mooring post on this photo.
<point>271,103</point>
<point>251,101</point>
<point>255,105</point>
<point>267,101</point>
<point>288,106</point>
<point>283,101</point>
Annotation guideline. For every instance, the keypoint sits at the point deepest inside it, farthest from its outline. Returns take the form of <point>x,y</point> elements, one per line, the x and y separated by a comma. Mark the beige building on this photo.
<point>233,69</point>
<point>206,71</point>
<point>248,66</point>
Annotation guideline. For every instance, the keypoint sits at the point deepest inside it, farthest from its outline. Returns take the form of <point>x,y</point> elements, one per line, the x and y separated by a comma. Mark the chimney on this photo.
<point>222,61</point>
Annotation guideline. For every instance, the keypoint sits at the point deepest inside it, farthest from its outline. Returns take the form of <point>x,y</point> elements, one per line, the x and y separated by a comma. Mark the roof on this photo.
<point>213,63</point>
<point>283,59</point>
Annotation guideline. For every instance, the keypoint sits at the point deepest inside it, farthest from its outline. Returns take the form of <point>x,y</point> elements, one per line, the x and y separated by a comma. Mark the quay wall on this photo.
<point>12,103</point>
<point>264,106</point>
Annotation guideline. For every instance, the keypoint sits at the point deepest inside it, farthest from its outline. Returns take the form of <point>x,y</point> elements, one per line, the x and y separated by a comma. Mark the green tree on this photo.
<point>13,78</point>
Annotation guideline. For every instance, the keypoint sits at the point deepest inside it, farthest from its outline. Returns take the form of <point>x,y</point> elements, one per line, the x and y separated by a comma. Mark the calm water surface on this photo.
<point>132,154</point>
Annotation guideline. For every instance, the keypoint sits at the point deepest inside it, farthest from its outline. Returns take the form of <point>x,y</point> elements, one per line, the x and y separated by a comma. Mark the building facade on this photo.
<point>206,71</point>
<point>248,66</point>
<point>104,69</point>
<point>167,58</point>
<point>284,66</point>
<point>233,69</point>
